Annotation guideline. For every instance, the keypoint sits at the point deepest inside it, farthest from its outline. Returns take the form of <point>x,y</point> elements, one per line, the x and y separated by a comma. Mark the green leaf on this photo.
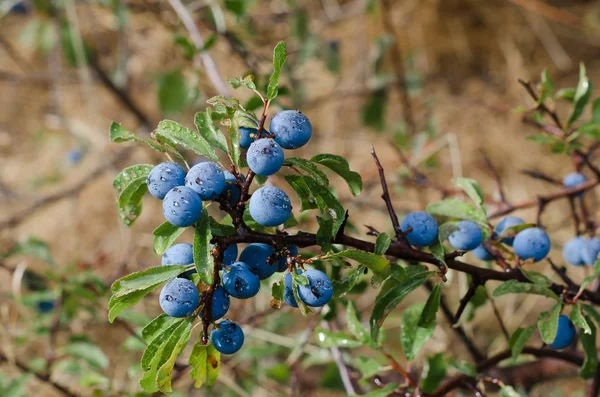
<point>454,208</point>
<point>205,362</point>
<point>164,236</point>
<point>548,324</point>
<point>518,287</point>
<point>247,82</point>
<point>519,339</point>
<point>35,247</point>
<point>209,130</point>
<point>391,294</point>
<point>203,259</point>
<point>596,111</point>
<point>367,367</point>
<point>590,311</point>
<point>586,281</point>
<point>17,387</point>
<point>279,57</point>
<point>301,305</point>
<point>88,352</point>
<point>376,263</point>
<point>234,138</point>
<point>219,229</point>
<point>582,96</point>
<point>176,134</point>
<point>509,391</point>
<point>547,85</point>
<point>568,94</point>
<point>172,92</point>
<point>472,189</point>
<point>177,343</point>
<point>385,391</point>
<point>325,233</point>
<point>354,325</point>
<point>277,290</point>
<point>119,134</point>
<point>464,367</point>
<point>307,201</point>
<point>128,290</point>
<point>433,373</point>
<point>536,277</point>
<point>131,187</point>
<point>327,339</point>
<point>340,166</point>
<point>382,243</point>
<point>413,337</point>
<point>578,320</point>
<point>342,286</point>
<point>157,326</point>
<point>590,361</point>
<point>327,203</point>
<point>428,316</point>
<point>308,168</point>
<point>373,111</point>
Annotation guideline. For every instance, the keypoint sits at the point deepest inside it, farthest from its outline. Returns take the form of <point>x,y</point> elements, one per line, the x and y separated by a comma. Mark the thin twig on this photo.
<point>386,198</point>
<point>497,315</point>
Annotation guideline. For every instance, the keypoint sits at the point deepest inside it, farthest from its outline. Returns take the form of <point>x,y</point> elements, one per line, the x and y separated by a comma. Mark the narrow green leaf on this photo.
<point>385,391</point>
<point>578,320</point>
<point>209,130</point>
<point>472,189</point>
<point>596,111</point>
<point>382,243</point>
<point>509,391</point>
<point>279,57</point>
<point>428,316</point>
<point>301,305</point>
<point>433,373</point>
<point>454,208</point>
<point>464,367</point>
<point>307,201</point>
<point>88,352</point>
<point>157,326</point>
<point>234,139</point>
<point>342,286</point>
<point>176,345</point>
<point>325,233</point>
<point>547,85</point>
<point>203,259</point>
<point>327,203</point>
<point>118,134</point>
<point>548,324</point>
<point>164,236</point>
<point>367,367</point>
<point>277,290</point>
<point>131,187</point>
<point>354,325</point>
<point>582,96</point>
<point>589,279</point>
<point>519,339</point>
<point>172,91</point>
<point>205,362</point>
<point>518,287</point>
<point>413,337</point>
<point>16,388</point>
<point>247,82</point>
<point>391,294</point>
<point>588,342</point>
<point>376,263</point>
<point>308,168</point>
<point>536,277</point>
<point>568,94</point>
<point>220,229</point>
<point>340,166</point>
<point>327,339</point>
<point>176,134</point>
<point>591,311</point>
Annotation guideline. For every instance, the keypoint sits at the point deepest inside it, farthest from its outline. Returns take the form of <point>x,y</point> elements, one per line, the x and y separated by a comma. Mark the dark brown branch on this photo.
<point>542,106</point>
<point>496,176</point>
<point>498,316</point>
<point>465,300</point>
<point>535,174</point>
<point>386,198</point>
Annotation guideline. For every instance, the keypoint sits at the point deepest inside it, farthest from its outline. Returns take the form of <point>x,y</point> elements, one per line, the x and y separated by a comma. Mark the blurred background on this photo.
<point>435,78</point>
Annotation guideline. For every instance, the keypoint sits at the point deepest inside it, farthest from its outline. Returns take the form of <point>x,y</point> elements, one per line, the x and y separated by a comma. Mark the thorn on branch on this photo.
<point>535,174</point>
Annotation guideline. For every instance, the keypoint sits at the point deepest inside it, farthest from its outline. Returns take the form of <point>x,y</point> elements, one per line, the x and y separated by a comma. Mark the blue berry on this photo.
<point>467,237</point>
<point>255,256</point>
<point>592,249</point>
<point>207,179</point>
<point>230,254</point>
<point>220,303</point>
<point>270,206</point>
<point>179,298</point>
<point>574,179</point>
<point>240,282</point>
<point>424,228</point>
<point>532,243</point>
<point>482,253</point>
<point>74,157</point>
<point>265,157</point>
<point>44,306</point>
<point>291,128</point>
<point>178,254</point>
<point>247,136</point>
<point>288,291</point>
<point>505,223</point>
<point>163,178</point>
<point>319,289</point>
<point>182,206</point>
<point>565,334</point>
<point>228,338</point>
<point>282,262</point>
<point>231,191</point>
<point>573,250</point>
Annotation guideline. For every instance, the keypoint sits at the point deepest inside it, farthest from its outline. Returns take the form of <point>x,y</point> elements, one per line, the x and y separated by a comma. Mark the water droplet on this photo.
<point>163,179</point>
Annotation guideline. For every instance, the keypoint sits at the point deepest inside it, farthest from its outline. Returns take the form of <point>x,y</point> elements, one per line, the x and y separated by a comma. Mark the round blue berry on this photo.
<point>505,223</point>
<point>255,256</point>
<point>44,306</point>
<point>288,291</point>
<point>207,179</point>
<point>291,128</point>
<point>179,298</point>
<point>482,253</point>
<point>270,206</point>
<point>532,243</point>
<point>282,261</point>
<point>247,136</point>
<point>573,250</point>
<point>319,289</point>
<point>591,251</point>
<point>574,179</point>
<point>565,334</point>
<point>240,282</point>
<point>182,206</point>
<point>220,303</point>
<point>163,178</point>
<point>265,157</point>
<point>467,237</point>
<point>178,254</point>
<point>424,228</point>
<point>232,190</point>
<point>228,338</point>
<point>230,254</point>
